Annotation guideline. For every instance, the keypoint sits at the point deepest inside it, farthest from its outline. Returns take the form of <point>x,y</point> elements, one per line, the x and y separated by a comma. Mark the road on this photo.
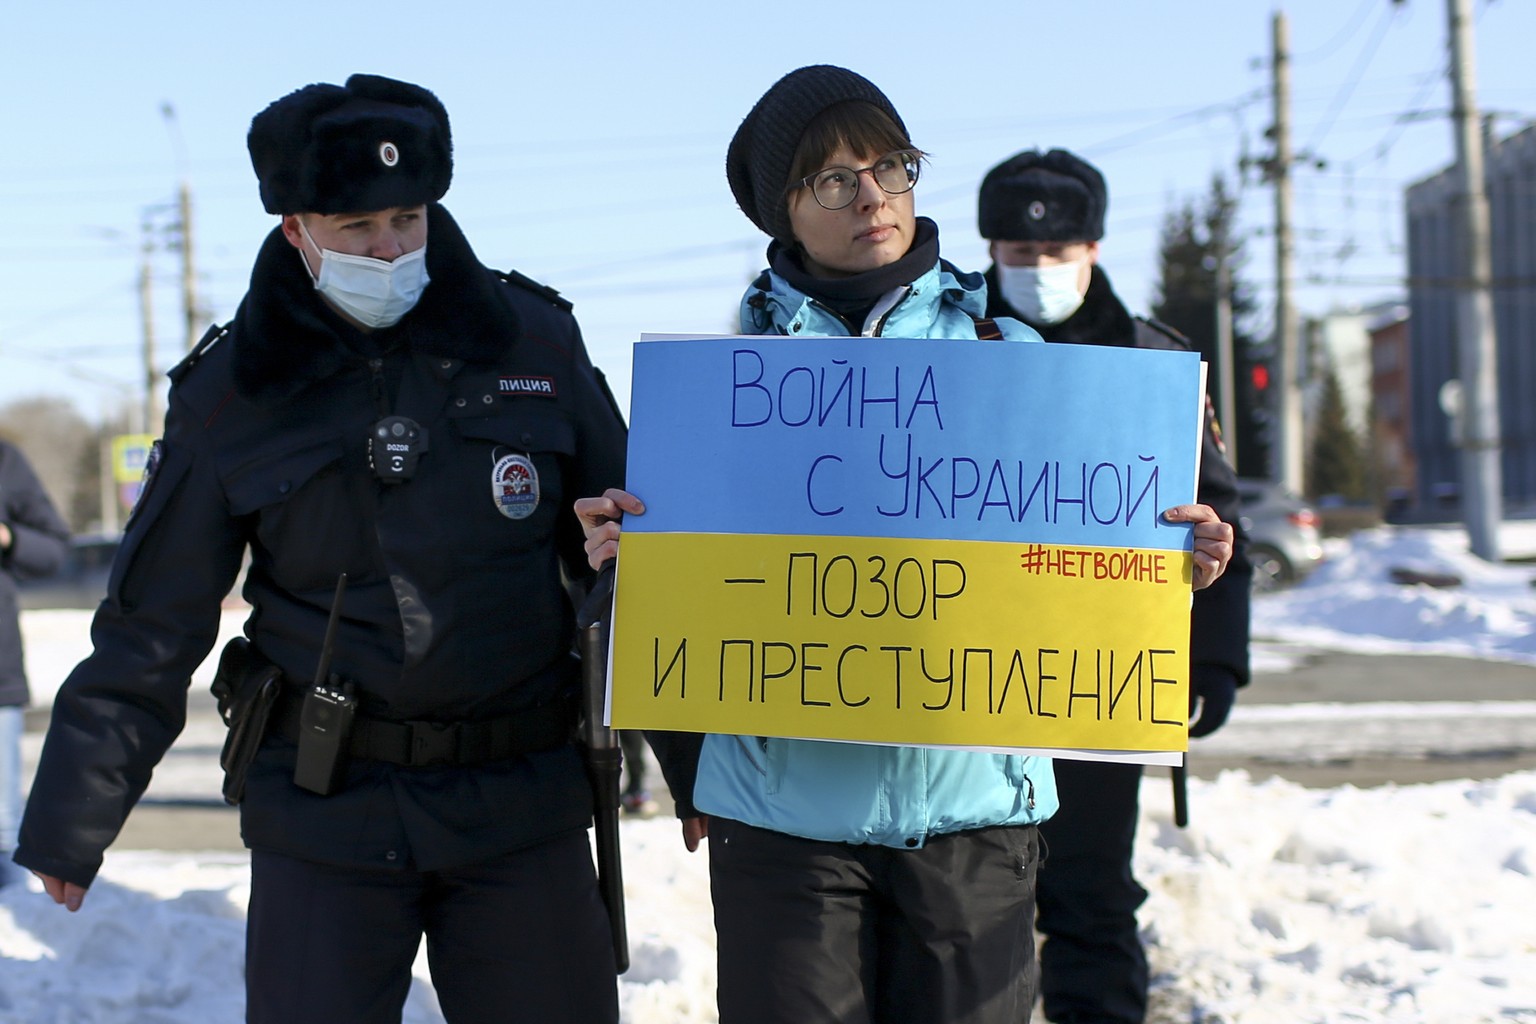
<point>1317,718</point>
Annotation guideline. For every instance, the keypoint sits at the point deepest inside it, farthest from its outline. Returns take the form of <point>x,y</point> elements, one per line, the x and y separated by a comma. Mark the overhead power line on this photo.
<point>1340,38</point>
<point>1353,79</point>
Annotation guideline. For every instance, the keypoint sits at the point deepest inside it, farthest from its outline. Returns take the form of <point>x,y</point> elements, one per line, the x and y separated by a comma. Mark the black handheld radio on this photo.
<point>325,720</point>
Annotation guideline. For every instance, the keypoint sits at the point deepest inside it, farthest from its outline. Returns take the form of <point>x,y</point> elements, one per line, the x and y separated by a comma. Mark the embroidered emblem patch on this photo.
<point>542,387</point>
<point>151,471</point>
<point>389,154</point>
<point>515,486</point>
<point>1037,210</point>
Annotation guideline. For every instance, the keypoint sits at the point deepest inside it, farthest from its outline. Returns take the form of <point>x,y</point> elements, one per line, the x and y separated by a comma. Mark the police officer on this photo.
<point>385,407</point>
<point>1043,216</point>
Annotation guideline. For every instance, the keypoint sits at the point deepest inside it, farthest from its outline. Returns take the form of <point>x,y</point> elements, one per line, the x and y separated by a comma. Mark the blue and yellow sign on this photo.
<point>925,542</point>
<point>130,457</point>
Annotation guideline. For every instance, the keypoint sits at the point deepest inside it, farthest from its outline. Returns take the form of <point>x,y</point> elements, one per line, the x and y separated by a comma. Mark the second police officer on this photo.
<point>384,407</point>
<point>1043,217</point>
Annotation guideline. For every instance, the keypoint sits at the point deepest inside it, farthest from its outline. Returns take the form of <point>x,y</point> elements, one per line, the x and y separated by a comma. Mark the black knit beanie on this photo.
<point>758,160</point>
<point>1042,197</point>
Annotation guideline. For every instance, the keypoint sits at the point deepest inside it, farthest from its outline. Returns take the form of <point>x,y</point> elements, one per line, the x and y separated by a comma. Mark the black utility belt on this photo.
<point>423,744</point>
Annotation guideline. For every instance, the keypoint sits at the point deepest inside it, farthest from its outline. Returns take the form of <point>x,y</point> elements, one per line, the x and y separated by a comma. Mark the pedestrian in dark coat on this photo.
<point>33,542</point>
<point>1043,214</point>
<point>384,407</point>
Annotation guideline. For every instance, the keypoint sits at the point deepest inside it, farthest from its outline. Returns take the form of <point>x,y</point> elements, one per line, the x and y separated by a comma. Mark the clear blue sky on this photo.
<point>590,139</point>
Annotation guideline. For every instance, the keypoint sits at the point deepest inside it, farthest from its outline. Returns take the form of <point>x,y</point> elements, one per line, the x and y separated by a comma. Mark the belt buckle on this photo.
<point>434,743</point>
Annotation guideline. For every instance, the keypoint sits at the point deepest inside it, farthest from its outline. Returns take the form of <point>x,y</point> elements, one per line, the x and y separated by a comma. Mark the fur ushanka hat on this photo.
<point>1042,197</point>
<point>371,144</point>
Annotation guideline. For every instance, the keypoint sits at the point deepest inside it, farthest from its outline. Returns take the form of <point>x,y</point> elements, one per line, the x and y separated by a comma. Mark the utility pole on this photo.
<point>1227,384</point>
<point>189,309</point>
<point>1292,375</point>
<point>108,489</point>
<point>1482,484</point>
<point>151,408</point>
<point>188,275</point>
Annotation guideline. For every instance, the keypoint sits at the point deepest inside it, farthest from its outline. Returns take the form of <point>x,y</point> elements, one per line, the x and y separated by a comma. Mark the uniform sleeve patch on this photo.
<point>151,474</point>
<point>538,387</point>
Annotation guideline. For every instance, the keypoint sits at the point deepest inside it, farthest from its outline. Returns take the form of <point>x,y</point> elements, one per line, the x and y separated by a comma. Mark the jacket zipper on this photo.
<point>834,314</point>
<point>380,388</point>
<point>879,328</point>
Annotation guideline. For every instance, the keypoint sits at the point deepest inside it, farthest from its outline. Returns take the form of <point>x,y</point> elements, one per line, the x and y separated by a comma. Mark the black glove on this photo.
<point>1212,689</point>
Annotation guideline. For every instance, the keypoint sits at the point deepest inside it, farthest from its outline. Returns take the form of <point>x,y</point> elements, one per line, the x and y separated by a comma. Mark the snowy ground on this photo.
<point>1279,905</point>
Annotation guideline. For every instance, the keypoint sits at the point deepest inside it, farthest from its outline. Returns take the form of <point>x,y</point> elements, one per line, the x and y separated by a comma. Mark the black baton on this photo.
<point>1180,776</point>
<point>604,758</point>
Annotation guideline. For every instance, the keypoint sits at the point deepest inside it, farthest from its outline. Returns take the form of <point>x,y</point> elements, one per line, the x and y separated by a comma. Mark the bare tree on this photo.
<point>60,444</point>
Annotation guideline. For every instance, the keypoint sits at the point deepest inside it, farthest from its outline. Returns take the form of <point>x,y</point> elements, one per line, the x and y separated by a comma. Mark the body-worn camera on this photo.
<point>395,446</point>
<point>325,725</point>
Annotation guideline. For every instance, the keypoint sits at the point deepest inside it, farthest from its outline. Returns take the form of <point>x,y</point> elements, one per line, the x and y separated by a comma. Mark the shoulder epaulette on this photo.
<point>209,339</point>
<point>757,302</point>
<point>1171,333</point>
<point>987,329</point>
<point>543,291</point>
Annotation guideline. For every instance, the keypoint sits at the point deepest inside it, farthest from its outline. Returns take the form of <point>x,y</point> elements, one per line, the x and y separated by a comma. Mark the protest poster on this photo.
<point>925,542</point>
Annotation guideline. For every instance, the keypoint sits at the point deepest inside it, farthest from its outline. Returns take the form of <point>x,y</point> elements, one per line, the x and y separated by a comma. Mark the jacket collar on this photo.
<point>287,339</point>
<point>858,291</point>
<point>773,305</point>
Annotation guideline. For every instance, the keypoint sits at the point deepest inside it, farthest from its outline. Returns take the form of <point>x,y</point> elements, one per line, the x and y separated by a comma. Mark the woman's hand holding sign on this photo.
<point>601,518</point>
<point>1213,540</point>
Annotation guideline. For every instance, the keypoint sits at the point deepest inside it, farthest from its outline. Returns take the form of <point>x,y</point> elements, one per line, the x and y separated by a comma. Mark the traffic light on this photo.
<point>1255,410</point>
<point>1260,377</point>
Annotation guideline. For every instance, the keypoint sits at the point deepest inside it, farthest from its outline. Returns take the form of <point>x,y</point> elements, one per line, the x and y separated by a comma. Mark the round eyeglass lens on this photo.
<point>896,172</point>
<point>836,187</point>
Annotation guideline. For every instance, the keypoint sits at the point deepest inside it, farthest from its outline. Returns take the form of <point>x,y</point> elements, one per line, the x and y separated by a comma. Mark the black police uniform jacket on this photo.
<point>453,611</point>
<point>39,541</point>
<point>1219,616</point>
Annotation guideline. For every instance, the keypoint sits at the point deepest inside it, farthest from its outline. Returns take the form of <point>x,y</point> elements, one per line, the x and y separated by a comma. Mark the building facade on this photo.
<point>1391,440</point>
<point>1434,242</point>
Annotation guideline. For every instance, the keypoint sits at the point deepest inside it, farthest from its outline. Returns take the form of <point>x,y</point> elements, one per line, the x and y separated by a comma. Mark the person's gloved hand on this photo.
<point>1212,689</point>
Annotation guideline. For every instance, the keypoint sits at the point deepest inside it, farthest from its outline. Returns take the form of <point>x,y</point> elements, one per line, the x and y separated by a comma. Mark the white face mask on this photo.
<point>1042,295</point>
<point>375,293</point>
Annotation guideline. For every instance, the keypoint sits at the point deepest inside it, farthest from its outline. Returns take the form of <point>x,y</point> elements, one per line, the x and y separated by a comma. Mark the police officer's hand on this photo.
<point>1213,541</point>
<point>695,829</point>
<point>1212,689</point>
<point>66,893</point>
<point>600,522</point>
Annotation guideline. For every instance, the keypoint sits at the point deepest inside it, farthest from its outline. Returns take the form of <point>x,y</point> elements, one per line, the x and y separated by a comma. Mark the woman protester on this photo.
<point>857,882</point>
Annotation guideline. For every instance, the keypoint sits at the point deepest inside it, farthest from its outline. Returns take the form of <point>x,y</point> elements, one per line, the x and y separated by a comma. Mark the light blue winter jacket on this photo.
<point>855,792</point>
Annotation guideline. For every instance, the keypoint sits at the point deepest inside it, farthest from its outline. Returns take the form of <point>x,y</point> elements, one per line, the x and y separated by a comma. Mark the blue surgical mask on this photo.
<point>375,293</point>
<point>1042,295</point>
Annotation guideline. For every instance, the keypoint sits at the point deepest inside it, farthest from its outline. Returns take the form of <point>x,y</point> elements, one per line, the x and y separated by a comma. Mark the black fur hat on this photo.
<point>1042,197</point>
<point>371,144</point>
<point>758,160</point>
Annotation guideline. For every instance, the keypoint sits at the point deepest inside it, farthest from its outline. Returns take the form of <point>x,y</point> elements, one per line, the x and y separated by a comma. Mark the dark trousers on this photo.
<point>521,938</point>
<point>632,742</point>
<point>1092,967</point>
<point>813,932</point>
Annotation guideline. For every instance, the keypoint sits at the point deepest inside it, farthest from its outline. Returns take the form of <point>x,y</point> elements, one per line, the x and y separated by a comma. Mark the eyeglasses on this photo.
<point>836,187</point>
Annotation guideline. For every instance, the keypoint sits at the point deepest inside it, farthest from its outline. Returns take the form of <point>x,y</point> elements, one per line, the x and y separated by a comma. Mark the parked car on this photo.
<point>1284,543</point>
<point>81,581</point>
